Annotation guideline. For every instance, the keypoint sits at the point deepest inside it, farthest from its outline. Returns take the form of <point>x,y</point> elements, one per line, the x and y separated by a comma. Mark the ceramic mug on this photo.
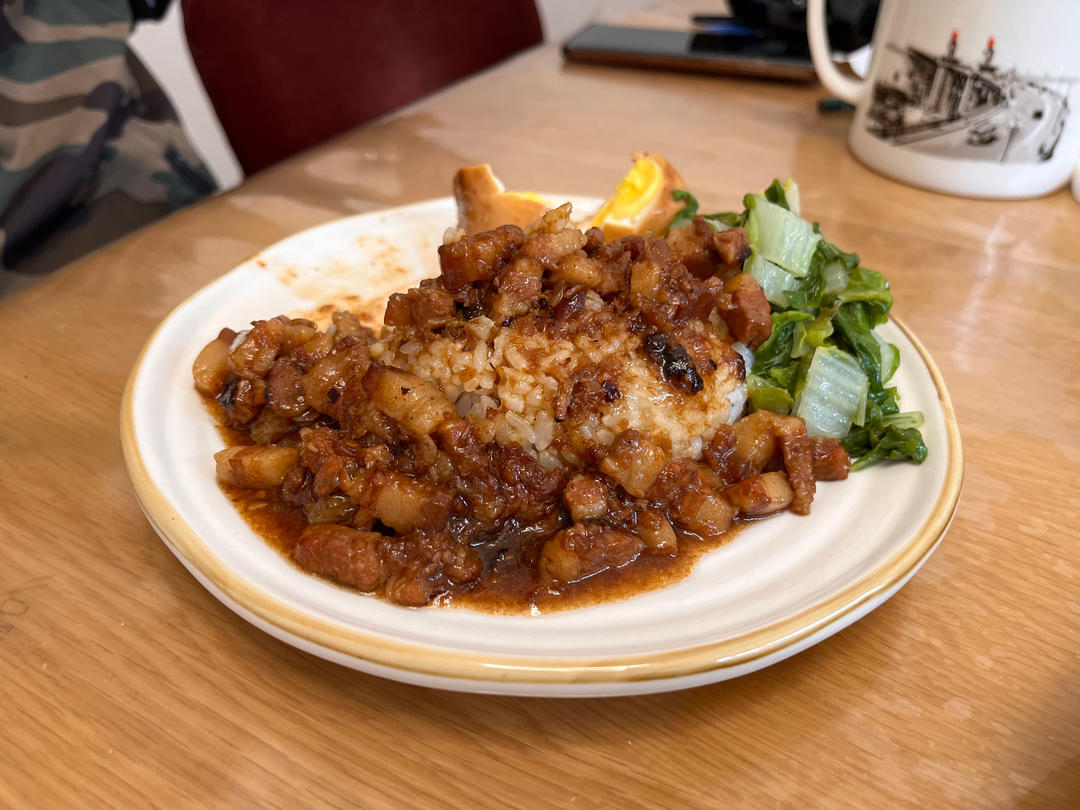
<point>972,97</point>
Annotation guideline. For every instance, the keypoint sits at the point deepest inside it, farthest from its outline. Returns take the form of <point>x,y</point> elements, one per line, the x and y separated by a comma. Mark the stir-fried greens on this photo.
<point>824,360</point>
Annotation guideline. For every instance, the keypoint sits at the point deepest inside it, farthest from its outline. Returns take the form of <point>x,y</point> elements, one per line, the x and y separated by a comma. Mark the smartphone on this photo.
<point>739,53</point>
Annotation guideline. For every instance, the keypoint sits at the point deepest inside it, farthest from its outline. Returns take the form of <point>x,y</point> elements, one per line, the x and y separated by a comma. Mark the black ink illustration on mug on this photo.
<point>938,104</point>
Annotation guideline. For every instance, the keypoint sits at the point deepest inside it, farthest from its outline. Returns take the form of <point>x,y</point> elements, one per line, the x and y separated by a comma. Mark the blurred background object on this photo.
<point>283,78</point>
<point>163,47</point>
<point>257,92</point>
<point>763,39</point>
<point>851,22</point>
<point>729,48</point>
<point>90,147</point>
<point>979,98</point>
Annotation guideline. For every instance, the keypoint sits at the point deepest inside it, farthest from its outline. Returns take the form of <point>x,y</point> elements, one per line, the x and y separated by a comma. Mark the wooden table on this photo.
<point>124,683</point>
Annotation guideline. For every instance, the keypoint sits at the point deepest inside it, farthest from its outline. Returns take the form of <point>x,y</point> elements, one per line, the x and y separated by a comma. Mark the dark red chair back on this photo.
<point>285,75</point>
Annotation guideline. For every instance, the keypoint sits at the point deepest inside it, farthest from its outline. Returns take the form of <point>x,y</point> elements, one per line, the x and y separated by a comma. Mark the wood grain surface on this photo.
<point>124,684</point>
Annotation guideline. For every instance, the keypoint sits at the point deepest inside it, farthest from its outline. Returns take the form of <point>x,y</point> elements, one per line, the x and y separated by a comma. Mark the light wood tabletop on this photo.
<point>124,683</point>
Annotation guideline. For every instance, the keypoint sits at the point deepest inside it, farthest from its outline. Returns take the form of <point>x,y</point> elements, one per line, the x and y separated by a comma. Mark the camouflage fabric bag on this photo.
<point>90,147</point>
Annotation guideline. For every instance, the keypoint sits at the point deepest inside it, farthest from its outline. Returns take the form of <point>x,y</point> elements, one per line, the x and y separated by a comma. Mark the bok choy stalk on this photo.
<point>824,360</point>
<point>775,281</point>
<point>833,396</point>
<point>779,236</point>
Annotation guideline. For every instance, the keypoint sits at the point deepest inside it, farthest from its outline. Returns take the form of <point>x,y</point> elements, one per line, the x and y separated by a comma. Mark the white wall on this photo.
<point>163,49</point>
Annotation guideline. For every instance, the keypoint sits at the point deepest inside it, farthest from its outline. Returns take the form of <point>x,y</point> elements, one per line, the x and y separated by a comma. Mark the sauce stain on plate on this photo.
<point>371,264</point>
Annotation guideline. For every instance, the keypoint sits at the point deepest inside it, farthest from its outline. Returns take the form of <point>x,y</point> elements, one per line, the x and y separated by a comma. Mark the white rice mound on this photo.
<point>504,380</point>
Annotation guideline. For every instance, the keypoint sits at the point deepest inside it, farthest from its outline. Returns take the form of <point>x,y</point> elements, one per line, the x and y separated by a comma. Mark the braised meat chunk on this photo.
<point>552,412</point>
<point>350,556</point>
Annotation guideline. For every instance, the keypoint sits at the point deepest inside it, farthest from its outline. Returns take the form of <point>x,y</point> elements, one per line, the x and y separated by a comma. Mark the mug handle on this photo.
<point>853,91</point>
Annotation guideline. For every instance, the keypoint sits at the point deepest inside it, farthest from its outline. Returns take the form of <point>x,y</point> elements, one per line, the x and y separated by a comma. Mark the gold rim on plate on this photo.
<point>185,542</point>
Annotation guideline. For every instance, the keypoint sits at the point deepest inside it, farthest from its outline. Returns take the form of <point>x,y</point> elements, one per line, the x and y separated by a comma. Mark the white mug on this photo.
<point>973,97</point>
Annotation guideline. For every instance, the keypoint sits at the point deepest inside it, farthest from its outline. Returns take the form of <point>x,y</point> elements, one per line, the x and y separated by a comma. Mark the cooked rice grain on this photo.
<point>505,380</point>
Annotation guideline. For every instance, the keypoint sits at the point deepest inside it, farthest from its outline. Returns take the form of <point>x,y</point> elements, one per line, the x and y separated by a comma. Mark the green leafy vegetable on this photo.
<point>836,277</point>
<point>890,358</point>
<point>894,437</point>
<point>721,221</point>
<point>775,281</point>
<point>689,209</point>
<point>764,395</point>
<point>780,236</point>
<point>777,350</point>
<point>824,360</point>
<point>724,220</point>
<point>834,394</point>
<point>791,194</point>
<point>813,335</point>
<point>777,195</point>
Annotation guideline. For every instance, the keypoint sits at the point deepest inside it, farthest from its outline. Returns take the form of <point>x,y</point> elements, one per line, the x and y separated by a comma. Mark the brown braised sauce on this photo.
<point>512,587</point>
<point>357,464</point>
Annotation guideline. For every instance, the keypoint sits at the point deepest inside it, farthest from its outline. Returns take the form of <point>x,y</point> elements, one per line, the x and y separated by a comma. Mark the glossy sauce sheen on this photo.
<point>510,584</point>
<point>547,422</point>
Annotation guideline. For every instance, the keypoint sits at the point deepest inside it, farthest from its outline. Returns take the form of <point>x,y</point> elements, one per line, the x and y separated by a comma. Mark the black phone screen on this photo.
<point>751,54</point>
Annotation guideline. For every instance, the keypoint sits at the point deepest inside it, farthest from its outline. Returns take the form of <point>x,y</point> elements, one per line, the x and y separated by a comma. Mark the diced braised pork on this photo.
<point>256,350</point>
<point>755,443</point>
<point>749,317</point>
<point>831,460</point>
<point>529,488</point>
<point>350,556</point>
<point>691,492</point>
<point>285,390</point>
<point>763,438</point>
<point>634,462</point>
<point>427,307</point>
<point>586,549</point>
<point>210,366</point>
<point>761,495</point>
<point>416,482</point>
<point>406,504</point>
<point>549,249</point>
<point>241,400</point>
<point>328,378</point>
<point>517,289</point>
<point>254,467</point>
<point>655,530</point>
<point>798,455</point>
<point>585,497</point>
<point>706,251</point>
<point>416,404</point>
<point>732,247</point>
<point>720,454</point>
<point>577,269</point>
<point>478,258</point>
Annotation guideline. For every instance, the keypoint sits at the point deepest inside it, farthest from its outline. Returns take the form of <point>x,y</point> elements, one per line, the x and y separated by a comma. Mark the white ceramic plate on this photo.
<point>779,587</point>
